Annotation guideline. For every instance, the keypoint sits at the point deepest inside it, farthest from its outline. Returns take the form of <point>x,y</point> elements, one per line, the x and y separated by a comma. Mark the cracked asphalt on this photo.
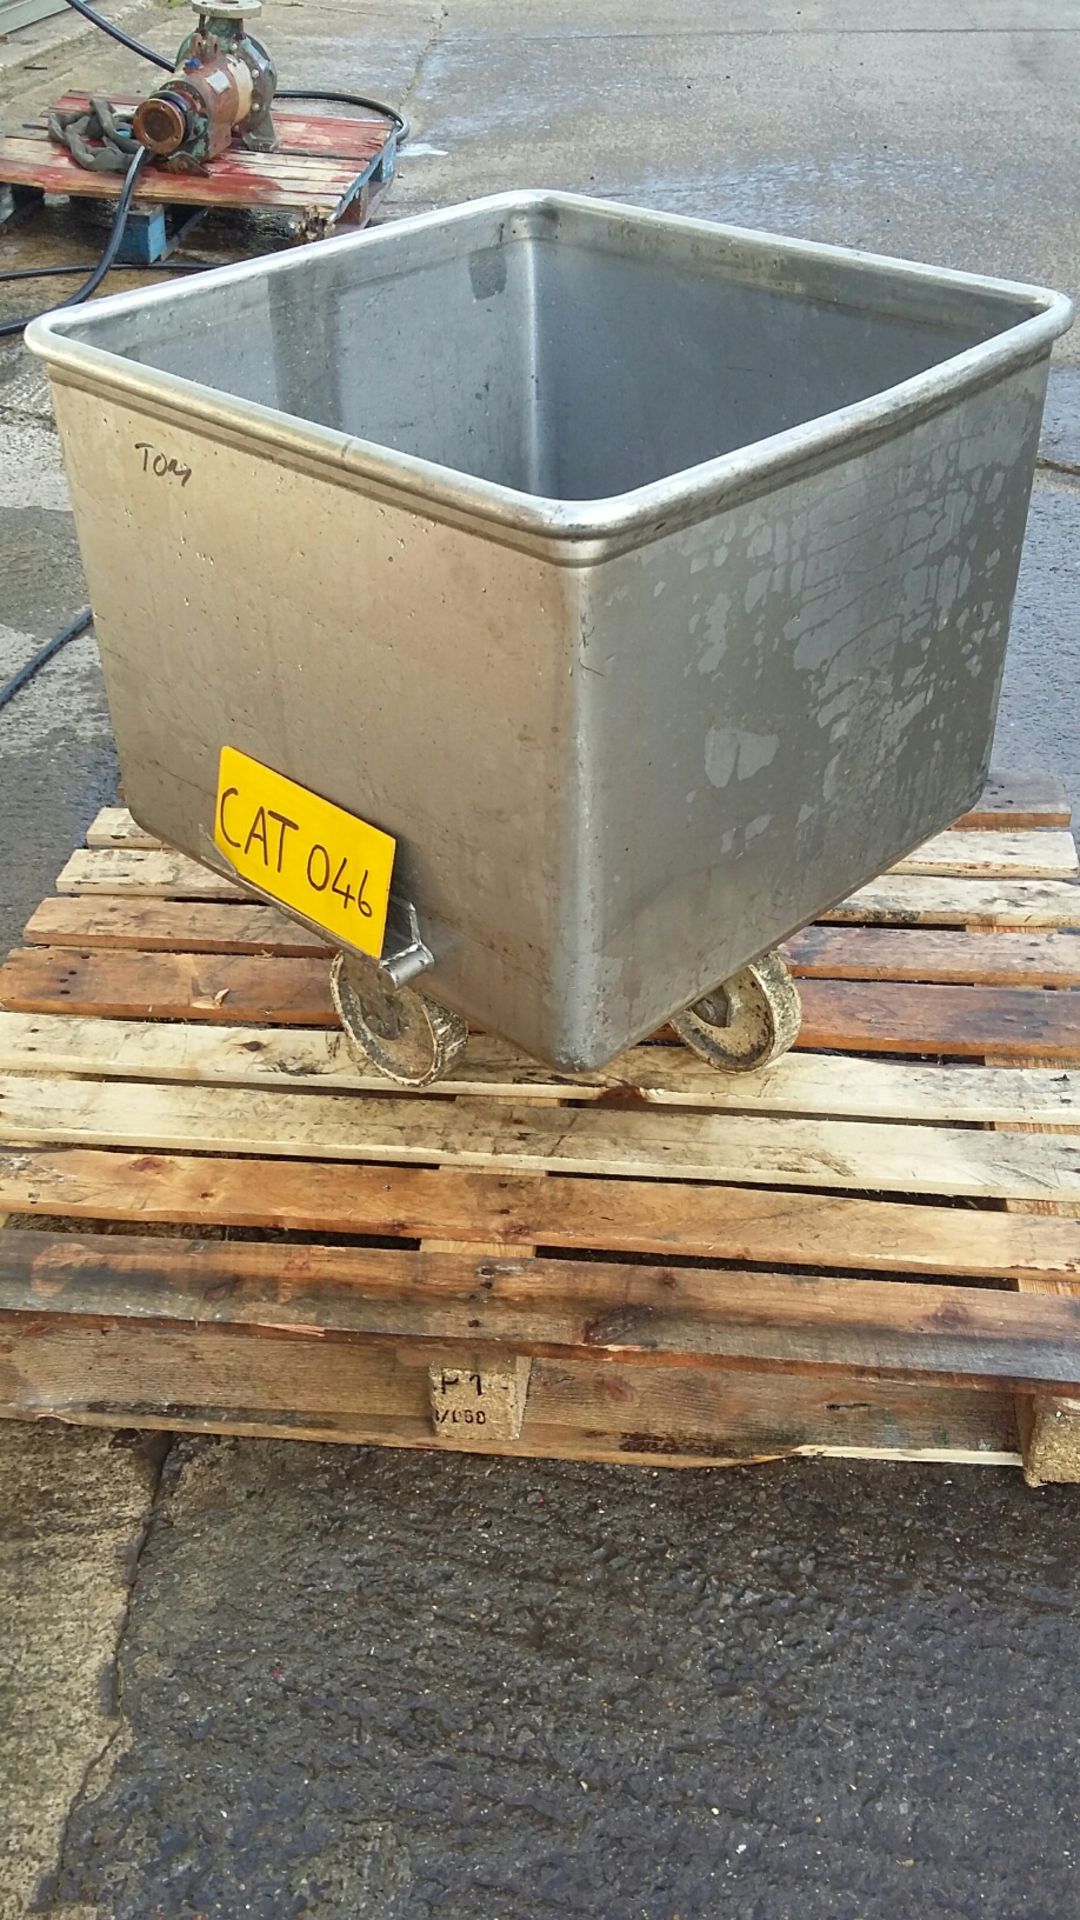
<point>244,1679</point>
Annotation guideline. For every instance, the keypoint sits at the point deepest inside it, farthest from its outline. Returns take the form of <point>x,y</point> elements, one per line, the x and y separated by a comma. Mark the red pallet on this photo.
<point>326,171</point>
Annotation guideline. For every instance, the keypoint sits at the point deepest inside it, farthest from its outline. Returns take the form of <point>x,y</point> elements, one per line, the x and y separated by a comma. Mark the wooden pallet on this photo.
<point>873,1248</point>
<point>327,170</point>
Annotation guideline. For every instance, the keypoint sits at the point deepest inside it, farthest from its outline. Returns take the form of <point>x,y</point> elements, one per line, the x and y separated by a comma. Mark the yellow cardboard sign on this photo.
<point>318,860</point>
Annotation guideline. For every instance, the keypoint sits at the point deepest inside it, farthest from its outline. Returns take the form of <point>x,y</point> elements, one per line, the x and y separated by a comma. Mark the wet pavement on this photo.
<point>289,1680</point>
<point>369,1685</point>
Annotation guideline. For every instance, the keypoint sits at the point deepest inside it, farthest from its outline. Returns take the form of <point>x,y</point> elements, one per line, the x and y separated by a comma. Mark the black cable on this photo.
<point>26,672</point>
<point>117,33</point>
<point>108,252</point>
<point>127,266</point>
<point>347,100</point>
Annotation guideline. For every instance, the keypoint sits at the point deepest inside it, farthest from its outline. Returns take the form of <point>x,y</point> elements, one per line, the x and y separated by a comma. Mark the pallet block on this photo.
<point>872,1248</point>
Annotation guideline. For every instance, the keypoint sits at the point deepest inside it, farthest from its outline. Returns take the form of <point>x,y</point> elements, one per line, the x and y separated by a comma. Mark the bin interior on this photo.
<point>567,357</point>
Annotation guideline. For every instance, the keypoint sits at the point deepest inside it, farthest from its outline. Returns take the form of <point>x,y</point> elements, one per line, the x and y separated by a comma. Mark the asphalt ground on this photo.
<point>258,1679</point>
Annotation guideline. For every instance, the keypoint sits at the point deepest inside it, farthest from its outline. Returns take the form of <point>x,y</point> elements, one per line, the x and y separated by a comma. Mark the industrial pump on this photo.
<point>220,90</point>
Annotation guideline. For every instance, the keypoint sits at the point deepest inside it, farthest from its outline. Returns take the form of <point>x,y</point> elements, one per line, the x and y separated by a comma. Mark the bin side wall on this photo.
<point>433,357</point>
<point>410,672</point>
<point>614,784</point>
<point>786,698</point>
<point>643,375</point>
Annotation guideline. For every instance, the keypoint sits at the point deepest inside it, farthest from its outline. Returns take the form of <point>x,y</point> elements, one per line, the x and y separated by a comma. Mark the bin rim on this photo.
<point>571,532</point>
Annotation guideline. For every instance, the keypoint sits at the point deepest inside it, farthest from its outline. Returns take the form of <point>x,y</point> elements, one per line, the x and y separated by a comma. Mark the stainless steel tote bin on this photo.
<point>649,580</point>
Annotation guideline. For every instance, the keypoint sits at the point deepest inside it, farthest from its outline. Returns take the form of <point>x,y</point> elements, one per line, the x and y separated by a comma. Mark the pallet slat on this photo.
<point>88,920</point>
<point>917,900</point>
<point>658,1143</point>
<point>882,1017</point>
<point>1019,799</point>
<point>664,1075</point>
<point>940,956</point>
<point>555,1309</point>
<point>1034,855</point>
<point>157,874</point>
<point>706,1222</point>
<point>170,986</point>
<point>114,827</point>
<point>633,1415</point>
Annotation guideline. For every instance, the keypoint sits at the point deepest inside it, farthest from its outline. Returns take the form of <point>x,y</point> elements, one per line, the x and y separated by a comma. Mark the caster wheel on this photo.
<point>746,1022</point>
<point>403,1035</point>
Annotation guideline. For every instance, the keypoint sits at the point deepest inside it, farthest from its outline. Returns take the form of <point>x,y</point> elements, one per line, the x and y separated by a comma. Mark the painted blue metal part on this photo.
<point>146,236</point>
<point>376,176</point>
